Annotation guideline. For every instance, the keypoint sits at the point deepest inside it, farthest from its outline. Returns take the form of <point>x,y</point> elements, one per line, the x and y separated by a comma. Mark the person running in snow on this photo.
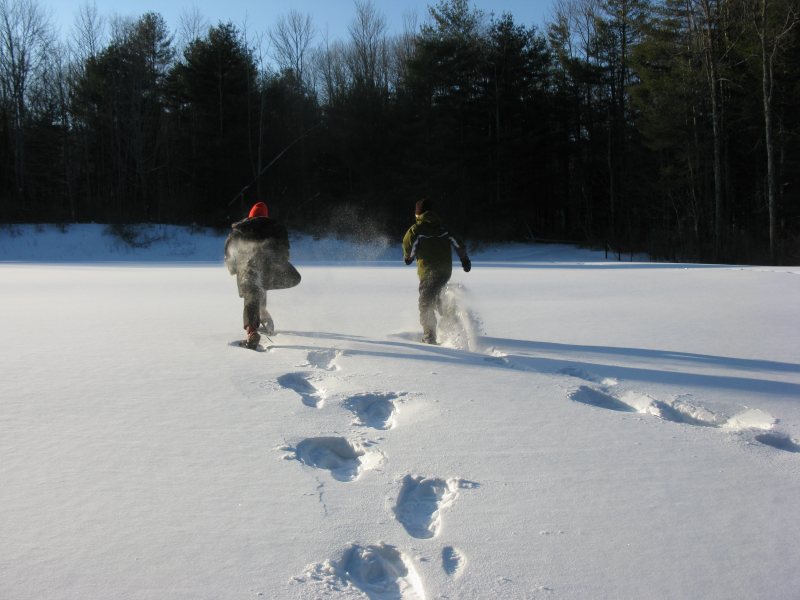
<point>429,241</point>
<point>257,252</point>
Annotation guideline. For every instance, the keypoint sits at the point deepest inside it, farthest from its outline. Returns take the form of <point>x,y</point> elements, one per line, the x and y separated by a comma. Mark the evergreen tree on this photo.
<point>215,102</point>
<point>118,104</point>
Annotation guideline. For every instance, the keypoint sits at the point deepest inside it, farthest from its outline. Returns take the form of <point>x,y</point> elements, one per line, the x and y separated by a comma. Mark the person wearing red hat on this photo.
<point>257,252</point>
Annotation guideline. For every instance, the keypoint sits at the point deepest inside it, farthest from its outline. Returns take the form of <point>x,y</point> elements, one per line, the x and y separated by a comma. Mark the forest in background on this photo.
<point>669,127</point>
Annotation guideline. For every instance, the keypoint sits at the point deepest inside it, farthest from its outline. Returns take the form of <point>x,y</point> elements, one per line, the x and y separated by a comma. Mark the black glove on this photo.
<point>408,260</point>
<point>466,263</point>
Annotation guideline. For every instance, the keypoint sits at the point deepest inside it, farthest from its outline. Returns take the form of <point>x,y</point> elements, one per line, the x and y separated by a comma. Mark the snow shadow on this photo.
<point>533,356</point>
<point>588,376</point>
<point>669,377</point>
<point>530,355</point>
<point>453,561</point>
<point>729,362</point>
<point>778,441</point>
<point>424,352</point>
<point>602,265</point>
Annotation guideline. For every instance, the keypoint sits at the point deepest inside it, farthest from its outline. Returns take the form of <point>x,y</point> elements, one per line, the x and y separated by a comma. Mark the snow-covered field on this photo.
<point>588,430</point>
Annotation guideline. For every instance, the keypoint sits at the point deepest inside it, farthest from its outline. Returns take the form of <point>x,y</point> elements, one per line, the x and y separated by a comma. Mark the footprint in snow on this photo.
<point>324,359</point>
<point>420,503</point>
<point>676,411</point>
<point>346,460</point>
<point>756,425</point>
<point>453,561</point>
<point>753,424</point>
<point>373,409</point>
<point>298,382</point>
<point>380,571</point>
<point>751,419</point>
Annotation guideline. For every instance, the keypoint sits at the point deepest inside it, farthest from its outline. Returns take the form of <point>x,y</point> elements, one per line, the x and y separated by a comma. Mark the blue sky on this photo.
<point>332,16</point>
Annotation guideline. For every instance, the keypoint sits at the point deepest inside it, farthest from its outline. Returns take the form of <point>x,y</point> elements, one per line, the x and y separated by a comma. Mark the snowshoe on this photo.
<point>267,327</point>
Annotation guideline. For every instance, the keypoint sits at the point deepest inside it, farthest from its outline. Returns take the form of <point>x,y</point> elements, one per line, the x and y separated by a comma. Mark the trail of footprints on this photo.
<point>753,425</point>
<point>381,571</point>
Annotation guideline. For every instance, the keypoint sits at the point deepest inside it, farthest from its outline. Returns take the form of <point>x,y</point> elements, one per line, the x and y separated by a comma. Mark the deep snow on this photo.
<point>594,430</point>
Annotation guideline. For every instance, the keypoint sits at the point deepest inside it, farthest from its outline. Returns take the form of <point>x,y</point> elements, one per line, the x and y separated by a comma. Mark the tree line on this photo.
<point>661,126</point>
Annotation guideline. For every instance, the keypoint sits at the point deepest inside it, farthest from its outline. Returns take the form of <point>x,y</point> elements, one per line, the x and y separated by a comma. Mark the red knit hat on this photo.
<point>259,210</point>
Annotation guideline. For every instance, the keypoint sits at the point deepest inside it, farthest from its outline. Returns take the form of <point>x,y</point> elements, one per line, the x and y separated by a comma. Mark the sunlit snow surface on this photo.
<point>586,429</point>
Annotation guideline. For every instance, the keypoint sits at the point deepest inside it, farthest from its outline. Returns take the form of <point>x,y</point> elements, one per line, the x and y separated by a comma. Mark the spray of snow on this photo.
<point>460,326</point>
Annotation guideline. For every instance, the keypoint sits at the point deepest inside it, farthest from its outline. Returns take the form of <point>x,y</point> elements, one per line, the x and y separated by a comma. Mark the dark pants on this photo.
<point>253,285</point>
<point>255,305</point>
<point>430,292</point>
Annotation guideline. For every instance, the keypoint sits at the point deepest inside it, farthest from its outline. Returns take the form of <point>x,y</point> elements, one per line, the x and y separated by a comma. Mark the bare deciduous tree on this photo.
<point>332,72</point>
<point>88,32</point>
<point>369,59</point>
<point>291,37</point>
<point>192,25</point>
<point>402,49</point>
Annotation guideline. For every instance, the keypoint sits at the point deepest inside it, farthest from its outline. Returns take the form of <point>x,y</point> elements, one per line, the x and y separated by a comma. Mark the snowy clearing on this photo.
<point>588,429</point>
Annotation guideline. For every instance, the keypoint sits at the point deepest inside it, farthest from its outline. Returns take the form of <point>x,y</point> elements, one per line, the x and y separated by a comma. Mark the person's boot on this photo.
<point>429,337</point>
<point>252,338</point>
<point>267,324</point>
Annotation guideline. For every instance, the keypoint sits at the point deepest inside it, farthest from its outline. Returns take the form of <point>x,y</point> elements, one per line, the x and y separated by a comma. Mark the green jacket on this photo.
<point>430,242</point>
